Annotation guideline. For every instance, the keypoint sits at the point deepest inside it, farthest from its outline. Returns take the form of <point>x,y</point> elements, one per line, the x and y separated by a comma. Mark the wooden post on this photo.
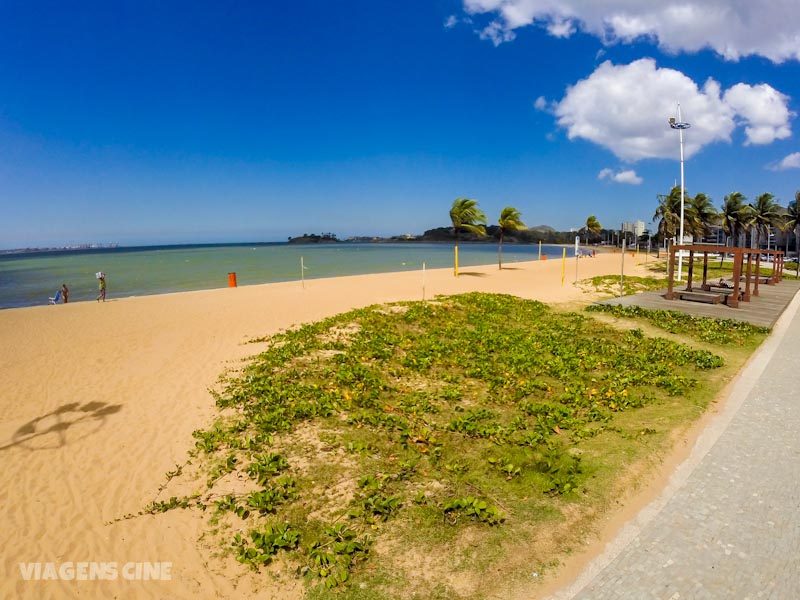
<point>670,271</point>
<point>758,271</point>
<point>748,280</point>
<point>733,301</point>
<point>691,271</point>
<point>705,269</point>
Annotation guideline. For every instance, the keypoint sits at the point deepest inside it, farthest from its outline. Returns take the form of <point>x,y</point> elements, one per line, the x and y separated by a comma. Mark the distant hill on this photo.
<point>538,233</point>
<point>314,238</point>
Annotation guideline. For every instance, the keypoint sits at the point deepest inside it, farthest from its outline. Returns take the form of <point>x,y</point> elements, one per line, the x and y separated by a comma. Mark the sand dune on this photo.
<point>99,401</point>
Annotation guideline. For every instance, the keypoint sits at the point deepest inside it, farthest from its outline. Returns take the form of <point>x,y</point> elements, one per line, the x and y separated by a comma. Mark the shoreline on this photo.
<point>99,403</point>
<point>507,266</point>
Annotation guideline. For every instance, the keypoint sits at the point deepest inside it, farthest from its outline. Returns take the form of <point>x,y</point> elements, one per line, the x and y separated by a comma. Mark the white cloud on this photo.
<point>540,103</point>
<point>625,109</point>
<point>450,22</point>
<point>498,34</point>
<point>764,110</point>
<point>732,28</point>
<point>791,161</point>
<point>628,176</point>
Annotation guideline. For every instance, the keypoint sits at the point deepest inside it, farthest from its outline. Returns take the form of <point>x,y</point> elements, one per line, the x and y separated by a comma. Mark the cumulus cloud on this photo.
<point>732,28</point>
<point>450,22</point>
<point>791,161</point>
<point>625,109</point>
<point>540,103</point>
<point>628,176</point>
<point>763,109</point>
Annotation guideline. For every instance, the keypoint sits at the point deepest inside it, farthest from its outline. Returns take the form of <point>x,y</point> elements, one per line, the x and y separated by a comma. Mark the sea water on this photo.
<point>29,279</point>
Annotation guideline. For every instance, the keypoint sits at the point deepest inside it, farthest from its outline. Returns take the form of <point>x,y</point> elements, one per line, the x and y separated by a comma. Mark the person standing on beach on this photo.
<point>102,284</point>
<point>64,293</point>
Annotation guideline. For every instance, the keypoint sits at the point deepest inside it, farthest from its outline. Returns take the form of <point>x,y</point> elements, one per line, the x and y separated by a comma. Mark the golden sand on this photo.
<point>99,401</point>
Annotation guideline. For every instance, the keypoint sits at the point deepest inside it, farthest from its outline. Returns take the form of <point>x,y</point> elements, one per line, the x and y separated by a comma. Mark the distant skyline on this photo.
<point>151,123</point>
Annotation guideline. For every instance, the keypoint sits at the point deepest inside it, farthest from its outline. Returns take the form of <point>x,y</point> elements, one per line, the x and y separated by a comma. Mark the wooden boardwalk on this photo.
<point>762,310</point>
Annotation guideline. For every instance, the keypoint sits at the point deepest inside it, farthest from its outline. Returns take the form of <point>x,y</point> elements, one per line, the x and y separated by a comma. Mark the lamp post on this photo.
<point>680,126</point>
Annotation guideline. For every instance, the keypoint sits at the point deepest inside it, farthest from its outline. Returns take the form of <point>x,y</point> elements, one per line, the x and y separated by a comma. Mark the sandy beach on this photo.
<point>99,401</point>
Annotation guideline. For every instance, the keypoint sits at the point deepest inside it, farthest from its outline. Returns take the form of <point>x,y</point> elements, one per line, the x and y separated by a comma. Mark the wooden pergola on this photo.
<point>731,293</point>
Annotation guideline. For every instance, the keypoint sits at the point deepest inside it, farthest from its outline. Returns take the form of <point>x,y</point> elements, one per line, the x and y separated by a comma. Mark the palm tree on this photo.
<point>465,215</point>
<point>592,227</point>
<point>733,218</point>
<point>669,214</point>
<point>793,222</point>
<point>510,220</point>
<point>700,216</point>
<point>764,213</point>
<point>733,215</point>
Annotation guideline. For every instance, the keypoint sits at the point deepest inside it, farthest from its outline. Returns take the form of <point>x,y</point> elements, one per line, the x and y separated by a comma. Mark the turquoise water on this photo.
<point>28,280</point>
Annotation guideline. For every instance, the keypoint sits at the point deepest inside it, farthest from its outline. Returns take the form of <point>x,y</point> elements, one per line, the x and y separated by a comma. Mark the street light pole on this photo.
<point>680,126</point>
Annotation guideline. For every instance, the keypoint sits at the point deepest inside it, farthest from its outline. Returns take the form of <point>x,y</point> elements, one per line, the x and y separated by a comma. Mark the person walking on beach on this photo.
<point>64,293</point>
<point>102,283</point>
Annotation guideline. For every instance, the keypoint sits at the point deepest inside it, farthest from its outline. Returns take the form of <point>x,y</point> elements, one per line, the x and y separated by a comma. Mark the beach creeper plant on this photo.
<point>704,329</point>
<point>417,426</point>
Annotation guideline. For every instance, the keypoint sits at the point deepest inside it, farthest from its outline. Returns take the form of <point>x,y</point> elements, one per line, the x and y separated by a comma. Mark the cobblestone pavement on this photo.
<point>732,529</point>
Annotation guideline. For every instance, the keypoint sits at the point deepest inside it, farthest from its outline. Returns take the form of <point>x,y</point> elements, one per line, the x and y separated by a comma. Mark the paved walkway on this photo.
<point>728,525</point>
<point>762,310</point>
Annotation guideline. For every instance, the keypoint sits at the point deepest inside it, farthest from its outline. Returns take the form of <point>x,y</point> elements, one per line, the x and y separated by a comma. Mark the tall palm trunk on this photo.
<point>500,251</point>
<point>797,247</point>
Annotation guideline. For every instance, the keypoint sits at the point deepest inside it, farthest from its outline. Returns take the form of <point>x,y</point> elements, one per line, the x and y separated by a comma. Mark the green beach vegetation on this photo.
<point>441,449</point>
<point>609,285</point>
<point>704,329</point>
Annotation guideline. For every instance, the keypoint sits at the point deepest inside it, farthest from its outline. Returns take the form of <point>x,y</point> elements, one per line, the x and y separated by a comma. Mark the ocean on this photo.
<point>29,279</point>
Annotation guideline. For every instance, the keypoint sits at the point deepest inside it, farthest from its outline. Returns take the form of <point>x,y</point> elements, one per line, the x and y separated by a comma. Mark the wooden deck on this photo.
<point>762,310</point>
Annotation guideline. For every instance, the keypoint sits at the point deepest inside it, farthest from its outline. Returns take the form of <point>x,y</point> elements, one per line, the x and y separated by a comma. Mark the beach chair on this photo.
<point>55,299</point>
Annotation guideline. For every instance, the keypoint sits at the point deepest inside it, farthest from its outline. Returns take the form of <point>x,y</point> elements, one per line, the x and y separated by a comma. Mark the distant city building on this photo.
<point>637,228</point>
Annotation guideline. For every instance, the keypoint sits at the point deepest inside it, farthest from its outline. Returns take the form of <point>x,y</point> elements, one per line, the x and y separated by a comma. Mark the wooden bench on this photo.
<point>720,289</point>
<point>710,297</point>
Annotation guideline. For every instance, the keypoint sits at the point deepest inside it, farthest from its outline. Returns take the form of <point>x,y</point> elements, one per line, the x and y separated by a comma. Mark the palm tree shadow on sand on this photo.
<point>66,424</point>
<point>472,274</point>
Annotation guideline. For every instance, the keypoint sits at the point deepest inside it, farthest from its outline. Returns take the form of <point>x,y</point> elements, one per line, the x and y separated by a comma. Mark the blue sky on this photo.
<point>146,122</point>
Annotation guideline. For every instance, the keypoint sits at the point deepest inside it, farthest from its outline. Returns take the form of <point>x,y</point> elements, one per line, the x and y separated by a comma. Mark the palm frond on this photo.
<point>511,219</point>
